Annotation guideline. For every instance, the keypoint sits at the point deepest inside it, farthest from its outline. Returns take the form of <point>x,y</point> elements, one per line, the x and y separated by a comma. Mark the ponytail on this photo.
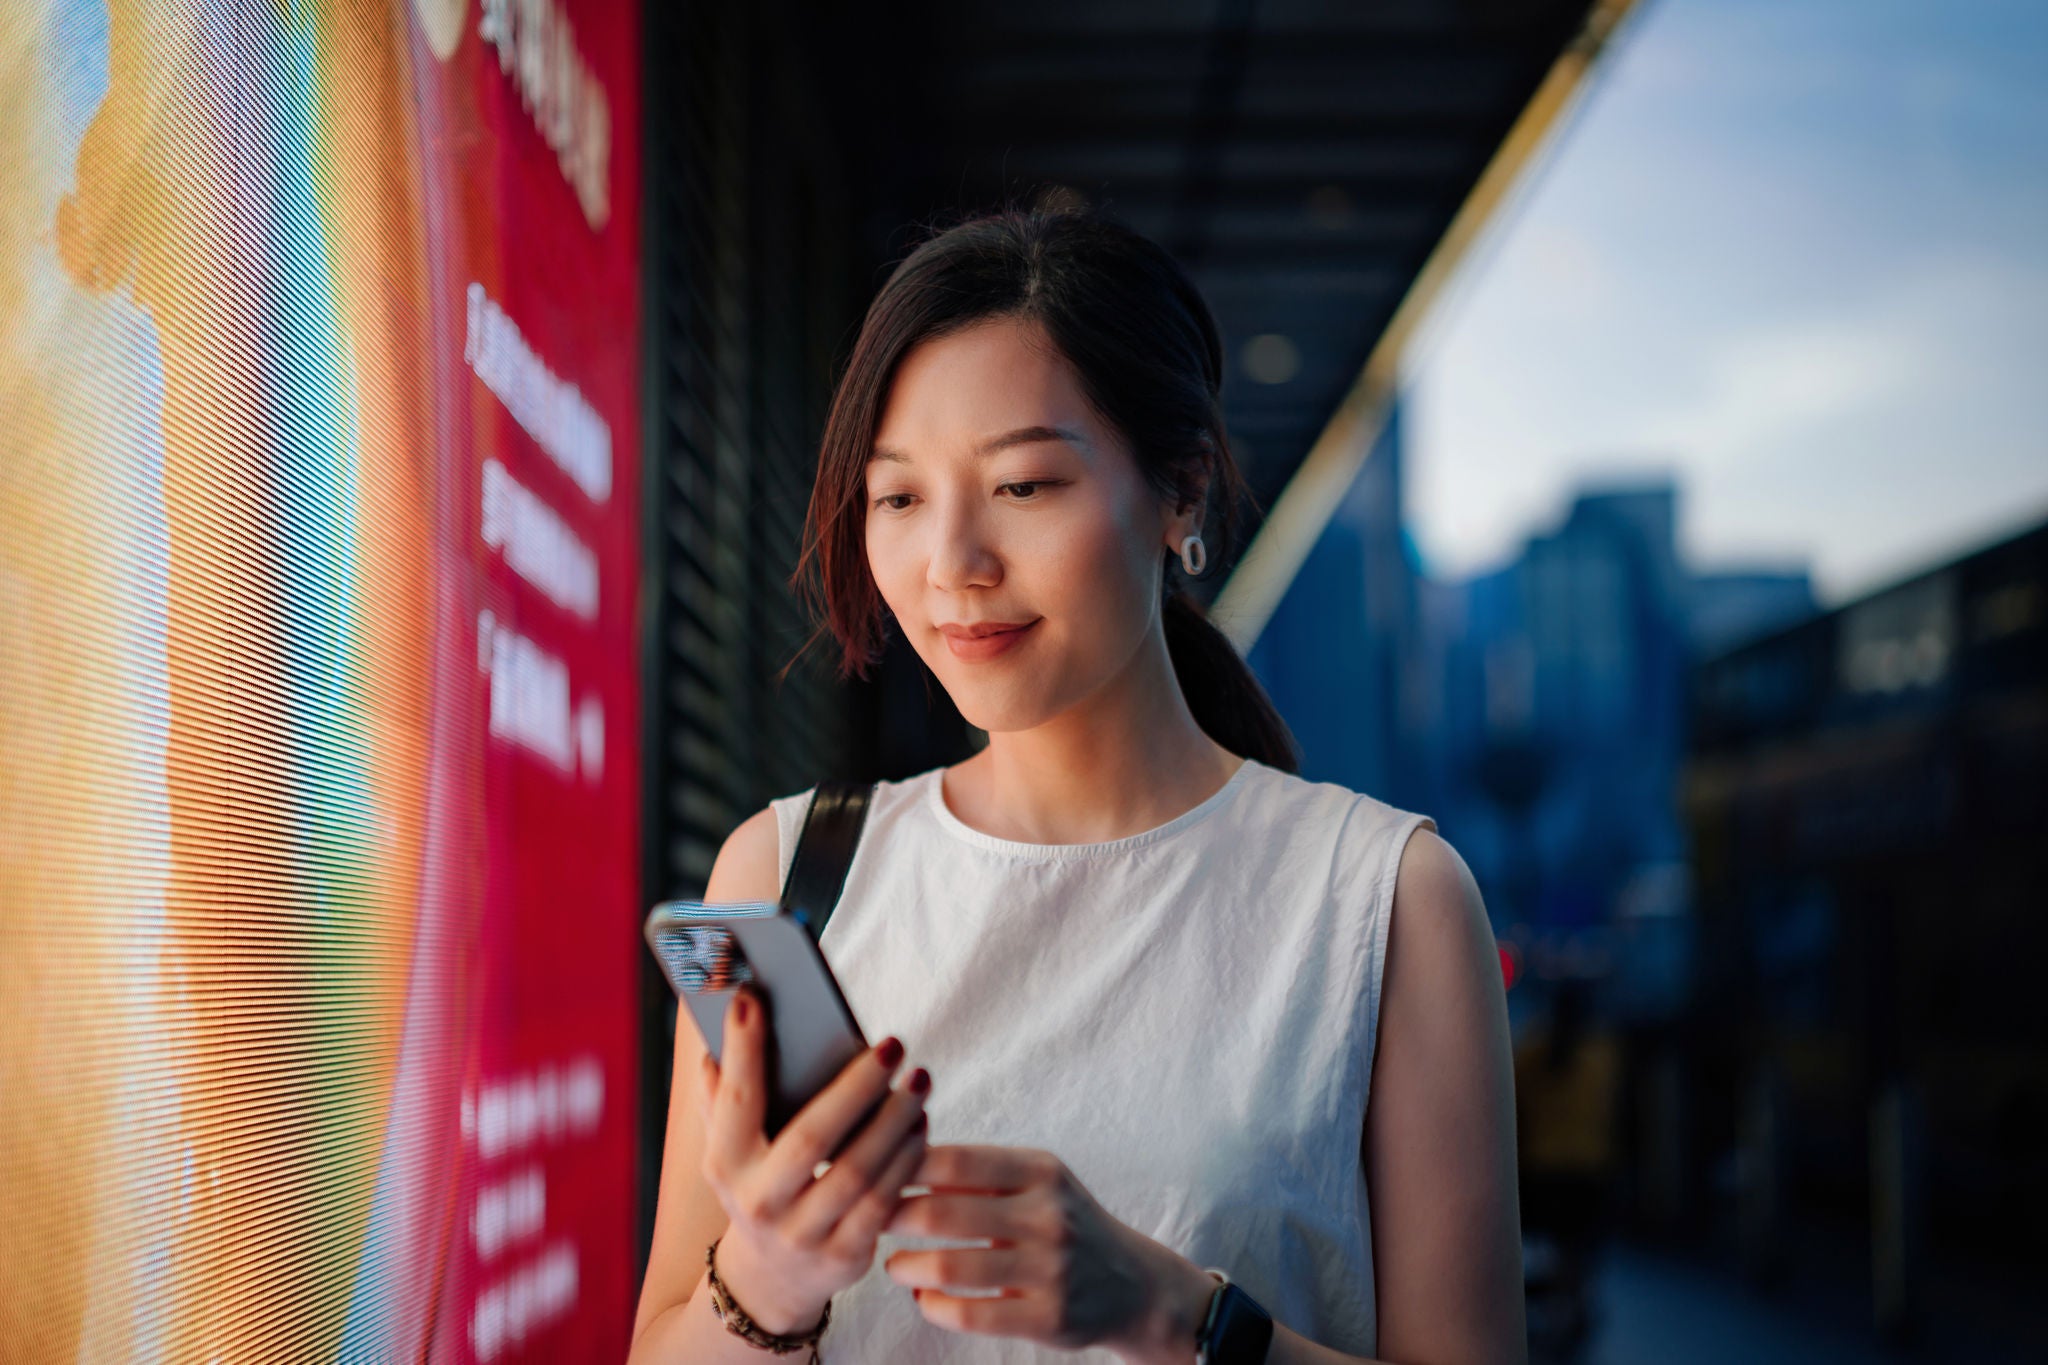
<point>1226,698</point>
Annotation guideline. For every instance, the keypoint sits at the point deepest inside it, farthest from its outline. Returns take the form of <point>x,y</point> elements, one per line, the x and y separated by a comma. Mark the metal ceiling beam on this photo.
<point>1102,99</point>
<point>1301,512</point>
<point>1216,99</point>
<point>1318,160</point>
<point>1030,58</point>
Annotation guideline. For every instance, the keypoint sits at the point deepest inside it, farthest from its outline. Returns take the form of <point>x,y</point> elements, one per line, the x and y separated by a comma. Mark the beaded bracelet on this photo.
<point>745,1328</point>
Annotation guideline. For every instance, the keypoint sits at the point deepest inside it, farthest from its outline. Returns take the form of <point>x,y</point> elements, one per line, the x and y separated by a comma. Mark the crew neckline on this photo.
<point>935,801</point>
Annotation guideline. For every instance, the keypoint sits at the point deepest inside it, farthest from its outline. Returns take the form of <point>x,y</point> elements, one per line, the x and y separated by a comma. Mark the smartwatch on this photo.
<point>1236,1331</point>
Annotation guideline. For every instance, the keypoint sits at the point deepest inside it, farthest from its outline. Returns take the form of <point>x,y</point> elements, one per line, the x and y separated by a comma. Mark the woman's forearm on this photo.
<point>1292,1348</point>
<point>1176,1317</point>
<point>690,1332</point>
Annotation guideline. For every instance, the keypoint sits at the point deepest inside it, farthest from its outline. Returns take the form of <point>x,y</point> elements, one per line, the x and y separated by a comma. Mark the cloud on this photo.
<point>1871,434</point>
<point>1788,380</point>
<point>1795,255</point>
<point>1954,329</point>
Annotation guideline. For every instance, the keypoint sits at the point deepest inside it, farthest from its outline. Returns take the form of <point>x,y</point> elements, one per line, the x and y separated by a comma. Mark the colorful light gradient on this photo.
<point>318,840</point>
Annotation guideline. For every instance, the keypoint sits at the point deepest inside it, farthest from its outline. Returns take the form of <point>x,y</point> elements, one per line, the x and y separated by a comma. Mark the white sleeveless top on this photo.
<point>1185,1017</point>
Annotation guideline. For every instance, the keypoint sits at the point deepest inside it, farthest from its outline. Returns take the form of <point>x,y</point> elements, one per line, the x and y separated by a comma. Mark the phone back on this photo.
<point>708,951</point>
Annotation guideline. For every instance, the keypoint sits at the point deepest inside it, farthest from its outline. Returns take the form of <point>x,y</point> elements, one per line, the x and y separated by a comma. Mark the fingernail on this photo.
<point>743,1008</point>
<point>922,1122</point>
<point>920,1081</point>
<point>890,1052</point>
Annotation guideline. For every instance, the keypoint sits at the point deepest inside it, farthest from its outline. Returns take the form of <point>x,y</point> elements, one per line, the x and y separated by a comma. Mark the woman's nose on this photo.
<point>961,553</point>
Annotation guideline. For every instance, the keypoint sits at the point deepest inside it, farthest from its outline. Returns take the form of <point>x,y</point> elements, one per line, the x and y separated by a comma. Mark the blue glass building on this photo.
<point>1537,711</point>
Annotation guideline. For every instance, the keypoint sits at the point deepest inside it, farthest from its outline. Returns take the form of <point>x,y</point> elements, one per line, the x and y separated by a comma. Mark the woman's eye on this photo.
<point>1023,490</point>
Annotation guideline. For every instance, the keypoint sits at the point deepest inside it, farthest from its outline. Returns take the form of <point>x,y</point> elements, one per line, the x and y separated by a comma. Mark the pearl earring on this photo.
<point>1194,556</point>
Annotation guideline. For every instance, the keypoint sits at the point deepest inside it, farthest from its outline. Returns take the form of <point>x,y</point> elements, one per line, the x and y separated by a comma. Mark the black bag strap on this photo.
<point>824,852</point>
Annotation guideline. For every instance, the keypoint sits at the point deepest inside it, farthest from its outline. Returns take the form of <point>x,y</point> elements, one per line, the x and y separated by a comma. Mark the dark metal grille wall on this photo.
<point>749,296</point>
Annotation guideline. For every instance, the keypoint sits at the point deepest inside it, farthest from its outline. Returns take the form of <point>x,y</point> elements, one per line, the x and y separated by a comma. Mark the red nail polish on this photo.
<point>743,1008</point>
<point>920,1081</point>
<point>923,1122</point>
<point>890,1052</point>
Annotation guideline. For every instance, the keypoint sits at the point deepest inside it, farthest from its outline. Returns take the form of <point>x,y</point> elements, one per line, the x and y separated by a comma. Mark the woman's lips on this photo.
<point>985,647</point>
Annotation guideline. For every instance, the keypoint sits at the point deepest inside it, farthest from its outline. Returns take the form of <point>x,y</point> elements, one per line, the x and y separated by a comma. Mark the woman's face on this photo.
<point>997,497</point>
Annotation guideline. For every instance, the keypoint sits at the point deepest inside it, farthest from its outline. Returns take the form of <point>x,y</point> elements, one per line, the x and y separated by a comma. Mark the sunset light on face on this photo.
<point>1051,530</point>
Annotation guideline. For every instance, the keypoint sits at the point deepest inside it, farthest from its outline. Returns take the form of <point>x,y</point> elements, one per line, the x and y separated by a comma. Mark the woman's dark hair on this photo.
<point>1149,358</point>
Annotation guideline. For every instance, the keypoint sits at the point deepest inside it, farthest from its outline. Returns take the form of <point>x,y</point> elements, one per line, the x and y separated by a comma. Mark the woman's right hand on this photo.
<point>792,1240</point>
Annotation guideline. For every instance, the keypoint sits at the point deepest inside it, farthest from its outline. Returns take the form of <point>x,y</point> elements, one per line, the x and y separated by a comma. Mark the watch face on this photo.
<point>1243,1330</point>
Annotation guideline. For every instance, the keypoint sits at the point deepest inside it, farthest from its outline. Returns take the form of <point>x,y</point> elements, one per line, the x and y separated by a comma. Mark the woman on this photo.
<point>1142,968</point>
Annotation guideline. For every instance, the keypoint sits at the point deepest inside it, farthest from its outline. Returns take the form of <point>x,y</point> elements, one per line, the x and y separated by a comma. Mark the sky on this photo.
<point>1793,253</point>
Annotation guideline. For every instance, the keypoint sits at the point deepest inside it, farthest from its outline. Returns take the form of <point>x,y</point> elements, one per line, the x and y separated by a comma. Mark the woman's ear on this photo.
<point>1186,515</point>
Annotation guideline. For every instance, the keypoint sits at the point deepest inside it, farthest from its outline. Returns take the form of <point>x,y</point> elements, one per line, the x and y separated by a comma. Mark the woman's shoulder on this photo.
<point>1366,836</point>
<point>1357,814</point>
<point>746,861</point>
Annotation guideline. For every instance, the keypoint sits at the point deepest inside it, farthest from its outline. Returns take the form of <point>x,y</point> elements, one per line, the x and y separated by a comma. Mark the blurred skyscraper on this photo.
<point>1537,711</point>
<point>1339,655</point>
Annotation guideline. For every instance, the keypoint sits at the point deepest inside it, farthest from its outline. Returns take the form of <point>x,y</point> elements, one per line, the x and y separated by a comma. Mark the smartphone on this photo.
<point>708,950</point>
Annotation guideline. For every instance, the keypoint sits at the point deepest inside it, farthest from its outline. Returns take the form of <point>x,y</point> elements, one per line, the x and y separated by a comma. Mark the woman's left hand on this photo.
<point>1071,1276</point>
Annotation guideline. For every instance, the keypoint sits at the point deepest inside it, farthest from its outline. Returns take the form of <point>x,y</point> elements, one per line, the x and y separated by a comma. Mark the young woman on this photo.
<point>1147,976</point>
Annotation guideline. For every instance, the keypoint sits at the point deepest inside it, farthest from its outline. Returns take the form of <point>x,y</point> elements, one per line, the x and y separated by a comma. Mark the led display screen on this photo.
<point>318,796</point>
